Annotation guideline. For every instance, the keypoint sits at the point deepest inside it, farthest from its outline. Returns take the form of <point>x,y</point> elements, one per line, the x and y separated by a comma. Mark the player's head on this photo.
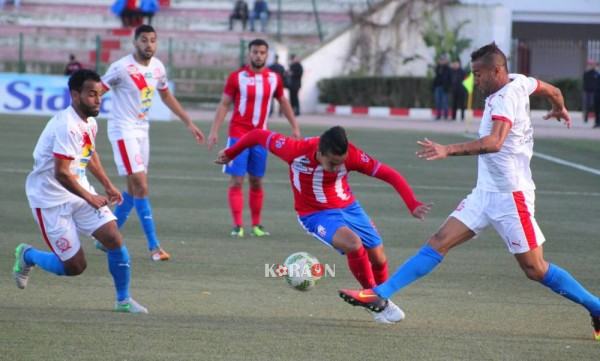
<point>489,68</point>
<point>333,149</point>
<point>86,89</point>
<point>258,49</point>
<point>144,40</point>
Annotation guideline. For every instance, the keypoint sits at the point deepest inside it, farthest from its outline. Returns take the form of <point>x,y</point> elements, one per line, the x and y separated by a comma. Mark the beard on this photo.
<point>146,55</point>
<point>257,65</point>
<point>89,111</point>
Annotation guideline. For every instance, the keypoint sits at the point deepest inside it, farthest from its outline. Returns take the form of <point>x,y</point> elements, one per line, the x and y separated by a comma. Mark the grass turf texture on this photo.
<point>213,302</point>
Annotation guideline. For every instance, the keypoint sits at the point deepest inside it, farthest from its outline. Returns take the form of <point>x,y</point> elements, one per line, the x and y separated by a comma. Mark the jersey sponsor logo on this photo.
<point>87,150</point>
<point>63,244</point>
<point>460,206</point>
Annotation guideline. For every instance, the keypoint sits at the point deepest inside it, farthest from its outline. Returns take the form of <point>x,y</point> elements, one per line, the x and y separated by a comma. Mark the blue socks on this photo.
<point>47,261</point>
<point>561,282</point>
<point>122,210</point>
<point>118,265</point>
<point>414,268</point>
<point>144,211</point>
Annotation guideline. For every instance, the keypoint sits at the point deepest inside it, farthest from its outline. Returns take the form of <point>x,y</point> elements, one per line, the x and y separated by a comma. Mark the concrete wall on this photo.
<point>487,23</point>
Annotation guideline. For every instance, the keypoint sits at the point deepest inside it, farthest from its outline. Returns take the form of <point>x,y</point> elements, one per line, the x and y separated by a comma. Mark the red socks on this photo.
<point>256,203</point>
<point>236,204</point>
<point>360,266</point>
<point>380,273</point>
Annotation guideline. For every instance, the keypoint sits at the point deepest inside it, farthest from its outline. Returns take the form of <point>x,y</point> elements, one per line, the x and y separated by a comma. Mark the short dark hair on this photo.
<point>334,141</point>
<point>490,54</point>
<point>80,76</point>
<point>258,42</point>
<point>143,29</point>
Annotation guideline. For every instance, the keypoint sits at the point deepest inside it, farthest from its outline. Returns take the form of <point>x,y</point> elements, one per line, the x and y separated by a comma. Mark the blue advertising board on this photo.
<point>46,94</point>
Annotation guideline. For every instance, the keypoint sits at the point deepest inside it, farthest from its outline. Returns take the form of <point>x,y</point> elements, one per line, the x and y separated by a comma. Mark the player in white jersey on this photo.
<point>504,197</point>
<point>64,203</point>
<point>133,80</point>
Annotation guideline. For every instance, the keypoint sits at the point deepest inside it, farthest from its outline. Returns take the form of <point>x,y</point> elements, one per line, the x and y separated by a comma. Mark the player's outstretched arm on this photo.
<point>63,175</point>
<point>288,112</point>
<point>221,113</point>
<point>489,144</point>
<point>96,168</point>
<point>554,95</point>
<point>250,139</point>
<point>173,104</point>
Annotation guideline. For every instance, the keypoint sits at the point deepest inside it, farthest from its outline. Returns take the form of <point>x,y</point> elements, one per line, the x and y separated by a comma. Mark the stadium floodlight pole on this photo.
<point>316,11</point>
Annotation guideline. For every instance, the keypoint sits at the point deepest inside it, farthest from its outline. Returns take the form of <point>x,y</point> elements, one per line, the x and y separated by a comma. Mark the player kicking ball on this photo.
<point>64,203</point>
<point>504,196</point>
<point>325,204</point>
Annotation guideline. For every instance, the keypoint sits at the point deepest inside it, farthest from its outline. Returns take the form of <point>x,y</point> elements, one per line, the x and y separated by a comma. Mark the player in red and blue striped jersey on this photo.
<point>325,204</point>
<point>251,89</point>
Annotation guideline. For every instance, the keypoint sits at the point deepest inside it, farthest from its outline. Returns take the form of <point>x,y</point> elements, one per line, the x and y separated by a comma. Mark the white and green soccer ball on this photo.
<point>303,270</point>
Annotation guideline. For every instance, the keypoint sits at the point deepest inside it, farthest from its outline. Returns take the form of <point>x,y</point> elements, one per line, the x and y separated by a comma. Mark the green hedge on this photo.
<point>413,92</point>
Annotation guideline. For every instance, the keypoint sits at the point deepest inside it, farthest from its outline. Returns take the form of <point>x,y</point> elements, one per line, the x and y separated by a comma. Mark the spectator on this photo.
<point>459,93</point>
<point>441,86</point>
<point>128,11</point>
<point>295,82</point>
<point>261,12</point>
<point>589,86</point>
<point>279,69</point>
<point>597,99</point>
<point>72,66</point>
<point>240,12</point>
<point>148,8</point>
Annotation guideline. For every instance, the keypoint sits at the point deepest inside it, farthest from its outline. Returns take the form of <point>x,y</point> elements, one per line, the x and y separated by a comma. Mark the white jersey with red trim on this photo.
<point>252,94</point>
<point>66,136</point>
<point>316,189</point>
<point>508,170</point>
<point>133,85</point>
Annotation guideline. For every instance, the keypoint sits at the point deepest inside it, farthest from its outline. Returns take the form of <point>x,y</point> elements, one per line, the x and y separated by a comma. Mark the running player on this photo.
<point>504,196</point>
<point>64,203</point>
<point>325,204</point>
<point>251,89</point>
<point>133,80</point>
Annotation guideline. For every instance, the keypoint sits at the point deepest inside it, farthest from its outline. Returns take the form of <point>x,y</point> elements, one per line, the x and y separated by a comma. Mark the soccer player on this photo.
<point>133,80</point>
<point>504,196</point>
<point>325,204</point>
<point>64,203</point>
<point>251,89</point>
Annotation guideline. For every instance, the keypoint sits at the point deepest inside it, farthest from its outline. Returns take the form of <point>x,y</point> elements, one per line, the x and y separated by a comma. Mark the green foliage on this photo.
<point>446,41</point>
<point>416,92</point>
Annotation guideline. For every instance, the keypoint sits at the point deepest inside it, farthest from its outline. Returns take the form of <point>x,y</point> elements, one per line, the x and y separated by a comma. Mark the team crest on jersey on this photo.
<point>321,231</point>
<point>63,244</point>
<point>364,157</point>
<point>279,143</point>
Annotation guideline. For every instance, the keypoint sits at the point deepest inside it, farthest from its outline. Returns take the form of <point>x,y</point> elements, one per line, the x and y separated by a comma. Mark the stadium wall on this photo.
<point>486,23</point>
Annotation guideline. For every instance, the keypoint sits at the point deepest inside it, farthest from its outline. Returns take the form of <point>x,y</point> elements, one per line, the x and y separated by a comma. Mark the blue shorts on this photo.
<point>323,225</point>
<point>252,161</point>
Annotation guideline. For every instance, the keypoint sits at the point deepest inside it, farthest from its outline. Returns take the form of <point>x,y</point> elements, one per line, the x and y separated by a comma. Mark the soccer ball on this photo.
<point>303,271</point>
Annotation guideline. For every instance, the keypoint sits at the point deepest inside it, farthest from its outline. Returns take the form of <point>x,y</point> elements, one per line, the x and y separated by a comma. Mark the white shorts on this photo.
<point>131,155</point>
<point>511,215</point>
<point>59,225</point>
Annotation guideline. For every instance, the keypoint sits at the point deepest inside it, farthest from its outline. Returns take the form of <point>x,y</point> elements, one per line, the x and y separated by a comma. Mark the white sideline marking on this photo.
<point>353,184</point>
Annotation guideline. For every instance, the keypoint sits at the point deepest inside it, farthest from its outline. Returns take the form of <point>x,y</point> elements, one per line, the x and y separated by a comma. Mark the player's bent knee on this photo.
<point>534,273</point>
<point>76,268</point>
